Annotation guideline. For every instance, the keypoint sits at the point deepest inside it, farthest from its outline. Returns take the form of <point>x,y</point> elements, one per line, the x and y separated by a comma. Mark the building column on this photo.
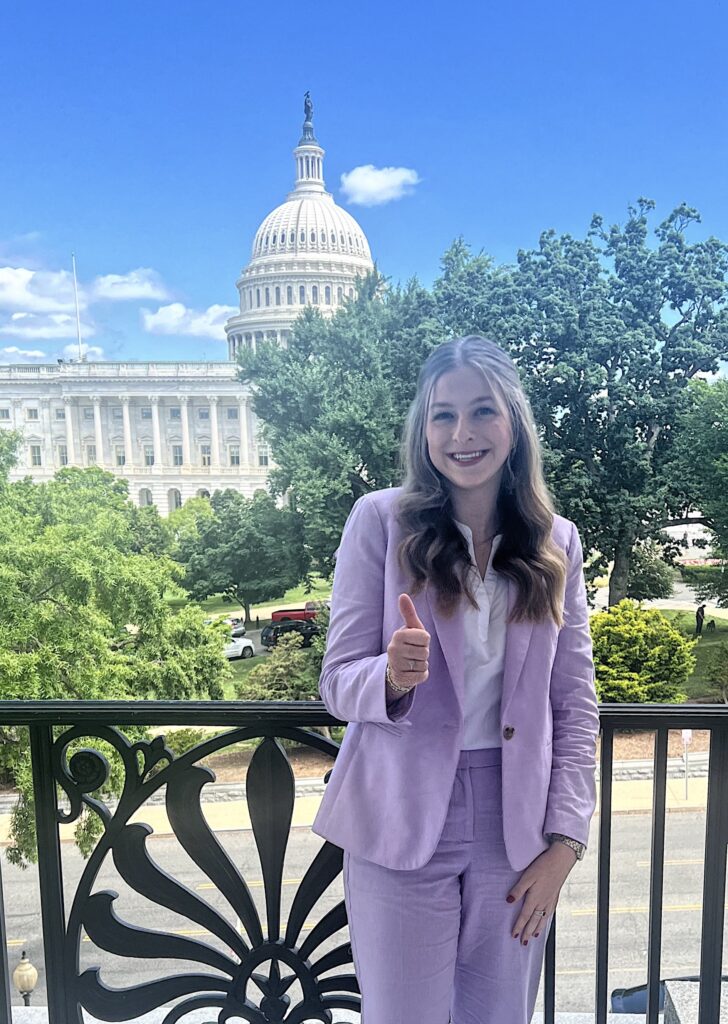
<point>186,459</point>
<point>71,448</point>
<point>214,432</point>
<point>98,432</point>
<point>244,442</point>
<point>158,454</point>
<point>128,451</point>
<point>46,432</point>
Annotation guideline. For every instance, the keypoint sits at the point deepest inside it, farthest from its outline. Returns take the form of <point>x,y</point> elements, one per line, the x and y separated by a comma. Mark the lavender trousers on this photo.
<point>434,945</point>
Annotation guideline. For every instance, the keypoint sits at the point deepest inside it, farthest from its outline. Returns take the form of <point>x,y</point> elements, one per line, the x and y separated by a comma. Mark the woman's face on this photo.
<point>465,417</point>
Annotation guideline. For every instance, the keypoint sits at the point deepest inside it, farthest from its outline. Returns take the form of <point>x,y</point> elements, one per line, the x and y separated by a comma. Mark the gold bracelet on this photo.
<point>399,689</point>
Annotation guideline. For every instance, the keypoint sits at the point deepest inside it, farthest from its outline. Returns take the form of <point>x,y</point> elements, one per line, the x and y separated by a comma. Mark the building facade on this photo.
<point>176,430</point>
<point>173,430</point>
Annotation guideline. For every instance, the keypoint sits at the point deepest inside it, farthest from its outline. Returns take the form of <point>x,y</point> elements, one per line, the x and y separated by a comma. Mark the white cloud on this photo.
<point>176,318</point>
<point>373,186</point>
<point>33,326</point>
<point>142,283</point>
<point>37,291</point>
<point>13,354</point>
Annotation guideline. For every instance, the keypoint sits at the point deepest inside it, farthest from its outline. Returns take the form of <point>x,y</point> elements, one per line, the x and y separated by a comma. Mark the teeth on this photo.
<point>469,457</point>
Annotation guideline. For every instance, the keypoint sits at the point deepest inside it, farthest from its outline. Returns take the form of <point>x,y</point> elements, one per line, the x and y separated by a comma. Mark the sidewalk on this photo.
<point>226,808</point>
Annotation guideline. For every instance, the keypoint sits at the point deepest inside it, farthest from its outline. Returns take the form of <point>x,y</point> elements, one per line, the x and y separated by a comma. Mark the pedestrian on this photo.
<point>699,618</point>
<point>459,652</point>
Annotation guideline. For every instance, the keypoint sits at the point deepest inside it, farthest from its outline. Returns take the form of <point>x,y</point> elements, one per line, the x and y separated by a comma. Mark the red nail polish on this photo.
<point>510,899</point>
<point>516,935</point>
<point>526,942</point>
<point>537,935</point>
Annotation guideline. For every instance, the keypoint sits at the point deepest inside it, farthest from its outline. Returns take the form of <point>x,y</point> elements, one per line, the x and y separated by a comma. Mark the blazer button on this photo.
<point>508,732</point>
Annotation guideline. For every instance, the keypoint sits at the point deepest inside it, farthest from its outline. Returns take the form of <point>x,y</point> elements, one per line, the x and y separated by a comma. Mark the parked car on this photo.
<point>238,630</point>
<point>304,614</point>
<point>269,634</point>
<point>239,647</point>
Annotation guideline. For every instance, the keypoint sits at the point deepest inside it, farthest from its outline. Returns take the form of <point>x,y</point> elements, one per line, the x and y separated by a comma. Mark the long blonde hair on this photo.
<point>433,549</point>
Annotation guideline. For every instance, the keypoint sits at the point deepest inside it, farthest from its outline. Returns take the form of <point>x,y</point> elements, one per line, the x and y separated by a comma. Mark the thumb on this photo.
<point>408,612</point>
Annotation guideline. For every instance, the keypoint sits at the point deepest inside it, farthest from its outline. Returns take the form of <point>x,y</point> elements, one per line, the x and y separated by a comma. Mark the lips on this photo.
<point>468,458</point>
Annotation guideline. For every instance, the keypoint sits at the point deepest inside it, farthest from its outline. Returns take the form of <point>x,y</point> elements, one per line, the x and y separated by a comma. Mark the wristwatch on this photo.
<point>578,848</point>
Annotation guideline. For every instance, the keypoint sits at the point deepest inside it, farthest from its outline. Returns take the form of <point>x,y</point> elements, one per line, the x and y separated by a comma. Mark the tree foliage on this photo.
<point>639,657</point>
<point>83,616</point>
<point>650,576</point>
<point>247,549</point>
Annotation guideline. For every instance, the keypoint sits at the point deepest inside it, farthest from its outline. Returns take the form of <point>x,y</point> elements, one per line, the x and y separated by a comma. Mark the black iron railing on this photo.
<point>64,787</point>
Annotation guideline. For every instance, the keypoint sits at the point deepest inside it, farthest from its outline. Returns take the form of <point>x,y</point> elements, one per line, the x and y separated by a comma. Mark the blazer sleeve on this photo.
<point>572,790</point>
<point>352,682</point>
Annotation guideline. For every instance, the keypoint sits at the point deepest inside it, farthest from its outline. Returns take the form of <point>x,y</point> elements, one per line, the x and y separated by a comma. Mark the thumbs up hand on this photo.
<point>409,649</point>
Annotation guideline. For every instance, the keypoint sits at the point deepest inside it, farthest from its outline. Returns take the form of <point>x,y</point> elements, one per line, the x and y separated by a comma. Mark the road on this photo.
<point>576,918</point>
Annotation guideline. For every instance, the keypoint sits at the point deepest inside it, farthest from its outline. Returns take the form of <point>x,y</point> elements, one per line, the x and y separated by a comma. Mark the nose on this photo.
<point>463,430</point>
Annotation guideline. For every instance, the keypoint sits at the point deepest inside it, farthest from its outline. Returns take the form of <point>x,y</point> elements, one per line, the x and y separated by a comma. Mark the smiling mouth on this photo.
<point>465,457</point>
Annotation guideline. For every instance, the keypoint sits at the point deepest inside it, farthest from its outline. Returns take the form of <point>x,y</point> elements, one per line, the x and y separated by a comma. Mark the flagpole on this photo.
<point>78,315</point>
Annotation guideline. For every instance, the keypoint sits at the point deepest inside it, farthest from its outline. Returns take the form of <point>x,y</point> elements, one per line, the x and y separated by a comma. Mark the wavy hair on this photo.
<point>434,550</point>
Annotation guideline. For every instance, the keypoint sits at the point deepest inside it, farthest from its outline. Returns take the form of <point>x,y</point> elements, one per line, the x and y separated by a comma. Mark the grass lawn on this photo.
<point>699,683</point>
<point>294,597</point>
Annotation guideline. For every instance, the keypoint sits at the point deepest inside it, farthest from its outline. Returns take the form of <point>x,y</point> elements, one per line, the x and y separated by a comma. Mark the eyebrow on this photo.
<point>483,398</point>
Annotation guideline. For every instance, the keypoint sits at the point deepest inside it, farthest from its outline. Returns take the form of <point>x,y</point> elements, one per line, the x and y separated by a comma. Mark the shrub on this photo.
<point>639,657</point>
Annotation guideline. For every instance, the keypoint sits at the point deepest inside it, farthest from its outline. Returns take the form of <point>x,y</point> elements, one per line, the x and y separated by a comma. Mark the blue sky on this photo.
<point>152,138</point>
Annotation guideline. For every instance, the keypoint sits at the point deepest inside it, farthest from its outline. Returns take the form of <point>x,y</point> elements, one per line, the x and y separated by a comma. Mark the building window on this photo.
<point>31,414</point>
<point>327,294</point>
<point>278,295</point>
<point>62,455</point>
<point>302,295</point>
<point>90,454</point>
<point>204,413</point>
<point>289,295</point>
<point>175,413</point>
<point>146,412</point>
<point>314,295</point>
<point>117,413</point>
<point>339,295</point>
<point>275,237</point>
<point>60,414</point>
<point>283,238</point>
<point>342,239</point>
<point>88,412</point>
<point>333,238</point>
<point>177,455</point>
<point>148,454</point>
<point>313,236</point>
<point>175,499</point>
<point>4,414</point>
<point>351,293</point>
<point>234,454</point>
<point>267,296</point>
<point>257,297</point>
<point>303,236</point>
<point>35,459</point>
<point>232,412</point>
<point>145,497</point>
<point>205,454</point>
<point>262,455</point>
<point>120,454</point>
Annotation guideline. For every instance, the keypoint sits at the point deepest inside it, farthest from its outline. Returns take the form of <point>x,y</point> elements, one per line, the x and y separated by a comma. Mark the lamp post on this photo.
<point>25,978</point>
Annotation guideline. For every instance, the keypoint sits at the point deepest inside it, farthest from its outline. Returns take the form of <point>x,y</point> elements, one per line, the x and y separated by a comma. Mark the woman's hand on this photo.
<point>409,649</point>
<point>539,886</point>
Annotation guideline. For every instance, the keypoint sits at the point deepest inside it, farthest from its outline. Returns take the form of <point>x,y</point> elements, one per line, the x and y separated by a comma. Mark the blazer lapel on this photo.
<point>451,637</point>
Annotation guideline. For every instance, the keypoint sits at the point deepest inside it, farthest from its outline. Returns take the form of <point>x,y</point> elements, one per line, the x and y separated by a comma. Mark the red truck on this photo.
<point>309,612</point>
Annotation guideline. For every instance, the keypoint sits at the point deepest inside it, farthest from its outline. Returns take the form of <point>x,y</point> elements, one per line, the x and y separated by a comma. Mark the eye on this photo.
<point>486,408</point>
<point>439,415</point>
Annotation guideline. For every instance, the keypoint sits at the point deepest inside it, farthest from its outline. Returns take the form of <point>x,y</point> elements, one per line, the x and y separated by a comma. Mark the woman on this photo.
<point>459,651</point>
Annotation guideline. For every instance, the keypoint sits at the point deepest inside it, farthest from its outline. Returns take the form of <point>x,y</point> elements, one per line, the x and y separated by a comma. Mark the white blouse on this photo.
<point>484,652</point>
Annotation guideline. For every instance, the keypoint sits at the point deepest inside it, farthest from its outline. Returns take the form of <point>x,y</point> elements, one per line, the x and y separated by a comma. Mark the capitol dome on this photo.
<point>308,251</point>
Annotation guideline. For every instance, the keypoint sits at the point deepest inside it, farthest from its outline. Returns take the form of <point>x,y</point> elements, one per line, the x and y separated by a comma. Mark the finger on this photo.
<point>412,648</point>
<point>408,612</point>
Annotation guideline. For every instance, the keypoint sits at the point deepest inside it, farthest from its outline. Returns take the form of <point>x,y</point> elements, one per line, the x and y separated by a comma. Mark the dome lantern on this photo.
<point>309,156</point>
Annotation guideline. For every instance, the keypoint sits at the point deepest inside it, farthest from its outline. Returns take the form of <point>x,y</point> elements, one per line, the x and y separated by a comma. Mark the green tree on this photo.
<point>650,577</point>
<point>289,672</point>
<point>249,550</point>
<point>639,657</point>
<point>333,403</point>
<point>83,616</point>
<point>607,332</point>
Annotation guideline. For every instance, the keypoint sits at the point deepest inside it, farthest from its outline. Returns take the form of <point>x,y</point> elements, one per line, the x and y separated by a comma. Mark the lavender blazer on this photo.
<point>389,791</point>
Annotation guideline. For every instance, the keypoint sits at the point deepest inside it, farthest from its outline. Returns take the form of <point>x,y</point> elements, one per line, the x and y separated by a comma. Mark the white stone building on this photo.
<point>177,430</point>
<point>173,430</point>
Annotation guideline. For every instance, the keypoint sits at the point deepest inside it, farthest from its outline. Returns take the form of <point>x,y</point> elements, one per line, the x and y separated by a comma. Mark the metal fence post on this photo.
<point>50,873</point>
